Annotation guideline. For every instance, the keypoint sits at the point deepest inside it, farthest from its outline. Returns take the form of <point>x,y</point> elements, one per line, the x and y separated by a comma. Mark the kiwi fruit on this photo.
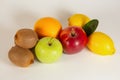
<point>26,38</point>
<point>20,56</point>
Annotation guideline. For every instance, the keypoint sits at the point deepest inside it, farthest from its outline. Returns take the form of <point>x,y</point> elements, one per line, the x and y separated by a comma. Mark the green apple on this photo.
<point>48,50</point>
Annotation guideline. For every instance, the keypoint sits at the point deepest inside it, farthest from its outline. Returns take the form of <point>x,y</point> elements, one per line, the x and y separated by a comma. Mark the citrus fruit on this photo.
<point>47,26</point>
<point>101,44</point>
<point>78,20</point>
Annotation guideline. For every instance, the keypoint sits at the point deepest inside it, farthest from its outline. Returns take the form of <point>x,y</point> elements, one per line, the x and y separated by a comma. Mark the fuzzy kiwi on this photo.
<point>26,38</point>
<point>20,56</point>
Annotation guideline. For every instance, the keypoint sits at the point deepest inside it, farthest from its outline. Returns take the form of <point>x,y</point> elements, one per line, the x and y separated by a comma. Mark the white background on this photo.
<point>17,14</point>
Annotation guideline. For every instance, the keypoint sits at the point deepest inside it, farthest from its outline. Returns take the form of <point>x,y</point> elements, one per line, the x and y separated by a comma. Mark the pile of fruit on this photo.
<point>48,41</point>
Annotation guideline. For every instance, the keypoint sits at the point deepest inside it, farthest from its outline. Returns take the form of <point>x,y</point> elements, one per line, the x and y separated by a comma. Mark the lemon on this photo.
<point>78,20</point>
<point>101,44</point>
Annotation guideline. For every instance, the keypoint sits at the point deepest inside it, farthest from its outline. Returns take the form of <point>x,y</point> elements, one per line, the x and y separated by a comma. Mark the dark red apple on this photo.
<point>73,39</point>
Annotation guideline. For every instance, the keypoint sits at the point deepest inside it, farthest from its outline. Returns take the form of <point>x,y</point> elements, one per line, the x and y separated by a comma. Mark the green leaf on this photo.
<point>91,26</point>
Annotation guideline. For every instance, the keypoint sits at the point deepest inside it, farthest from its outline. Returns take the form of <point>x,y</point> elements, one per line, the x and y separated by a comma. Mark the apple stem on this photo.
<point>72,33</point>
<point>50,42</point>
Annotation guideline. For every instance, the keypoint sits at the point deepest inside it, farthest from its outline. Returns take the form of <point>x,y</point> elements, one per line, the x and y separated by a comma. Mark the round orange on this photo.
<point>47,26</point>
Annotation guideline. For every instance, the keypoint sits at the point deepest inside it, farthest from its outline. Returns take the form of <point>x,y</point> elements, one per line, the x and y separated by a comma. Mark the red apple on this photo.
<point>73,39</point>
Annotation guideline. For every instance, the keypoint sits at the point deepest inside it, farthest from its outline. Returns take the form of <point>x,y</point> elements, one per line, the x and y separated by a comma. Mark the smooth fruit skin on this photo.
<point>78,20</point>
<point>73,39</point>
<point>91,26</point>
<point>100,43</point>
<point>47,27</point>
<point>48,50</point>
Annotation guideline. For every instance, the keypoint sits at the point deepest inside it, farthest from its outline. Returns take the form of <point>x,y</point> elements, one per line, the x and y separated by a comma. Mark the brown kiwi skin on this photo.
<point>26,38</point>
<point>20,56</point>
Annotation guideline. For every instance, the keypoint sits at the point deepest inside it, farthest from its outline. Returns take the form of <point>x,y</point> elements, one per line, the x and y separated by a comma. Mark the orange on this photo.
<point>47,27</point>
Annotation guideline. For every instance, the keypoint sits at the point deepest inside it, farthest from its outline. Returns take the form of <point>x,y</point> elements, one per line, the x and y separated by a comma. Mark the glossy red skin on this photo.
<point>73,44</point>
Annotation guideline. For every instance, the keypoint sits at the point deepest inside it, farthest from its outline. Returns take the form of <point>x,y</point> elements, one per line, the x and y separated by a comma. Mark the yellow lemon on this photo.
<point>101,44</point>
<point>78,20</point>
